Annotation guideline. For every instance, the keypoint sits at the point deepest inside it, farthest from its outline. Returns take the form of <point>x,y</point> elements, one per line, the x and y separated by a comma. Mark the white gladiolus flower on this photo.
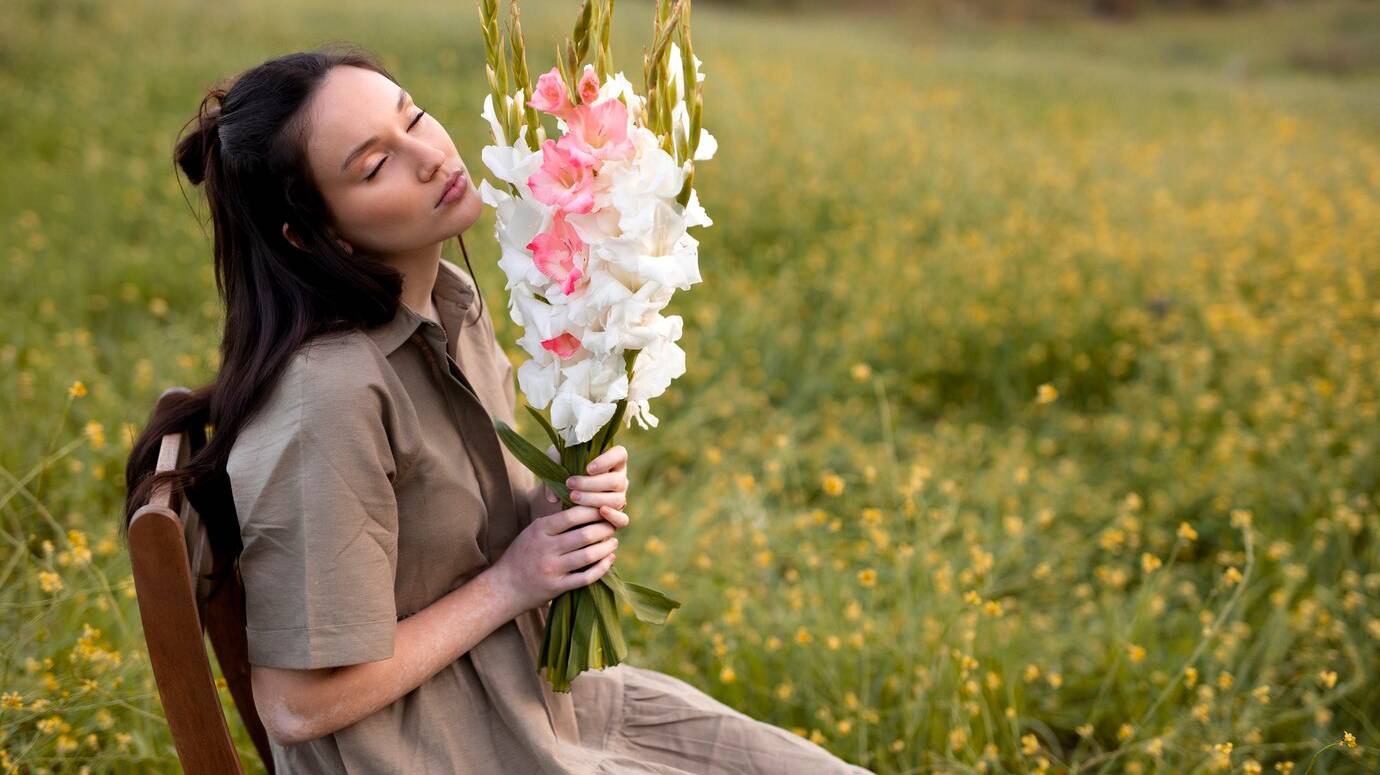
<point>588,397</point>
<point>618,85</point>
<point>490,116</point>
<point>677,73</point>
<point>658,363</point>
<point>641,184</point>
<point>538,379</point>
<point>589,288</point>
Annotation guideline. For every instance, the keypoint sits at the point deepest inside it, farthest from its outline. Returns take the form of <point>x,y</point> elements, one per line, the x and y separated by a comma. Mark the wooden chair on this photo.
<point>186,594</point>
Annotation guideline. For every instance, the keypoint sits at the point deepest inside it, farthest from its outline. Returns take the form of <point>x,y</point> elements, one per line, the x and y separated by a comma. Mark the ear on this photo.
<point>290,236</point>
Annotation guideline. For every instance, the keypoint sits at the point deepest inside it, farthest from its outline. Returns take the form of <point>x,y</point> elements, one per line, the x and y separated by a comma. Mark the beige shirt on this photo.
<point>368,485</point>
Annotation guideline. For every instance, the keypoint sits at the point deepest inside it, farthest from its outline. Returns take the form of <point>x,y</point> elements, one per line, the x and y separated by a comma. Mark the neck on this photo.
<point>419,277</point>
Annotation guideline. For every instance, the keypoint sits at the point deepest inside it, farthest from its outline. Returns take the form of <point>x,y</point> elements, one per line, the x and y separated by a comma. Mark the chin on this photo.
<point>465,212</point>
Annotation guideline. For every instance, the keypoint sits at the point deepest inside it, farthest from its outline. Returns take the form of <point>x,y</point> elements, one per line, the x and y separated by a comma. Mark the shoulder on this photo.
<point>338,366</point>
<point>336,384</point>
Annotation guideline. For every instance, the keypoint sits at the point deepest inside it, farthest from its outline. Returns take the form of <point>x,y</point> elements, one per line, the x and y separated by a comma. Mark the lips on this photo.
<point>451,183</point>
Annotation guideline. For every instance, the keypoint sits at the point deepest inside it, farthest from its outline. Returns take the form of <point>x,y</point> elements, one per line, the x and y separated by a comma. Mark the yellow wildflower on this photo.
<point>49,581</point>
<point>1045,394</point>
<point>95,433</point>
<point>958,737</point>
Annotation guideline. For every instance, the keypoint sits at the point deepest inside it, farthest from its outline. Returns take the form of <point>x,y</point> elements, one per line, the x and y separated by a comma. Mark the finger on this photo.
<point>581,537</point>
<point>612,458</point>
<point>562,521</point>
<point>613,481</point>
<point>587,554</point>
<point>615,517</point>
<point>586,577</point>
<point>594,499</point>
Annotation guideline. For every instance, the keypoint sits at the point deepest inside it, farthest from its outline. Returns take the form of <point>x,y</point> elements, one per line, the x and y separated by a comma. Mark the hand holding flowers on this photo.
<point>606,487</point>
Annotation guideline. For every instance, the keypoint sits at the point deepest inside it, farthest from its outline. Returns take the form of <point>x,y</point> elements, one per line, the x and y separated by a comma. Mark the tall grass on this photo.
<point>1030,421</point>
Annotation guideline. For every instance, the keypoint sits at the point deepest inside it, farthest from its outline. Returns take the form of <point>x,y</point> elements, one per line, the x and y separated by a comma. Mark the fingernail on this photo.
<point>570,482</point>
<point>575,495</point>
<point>593,468</point>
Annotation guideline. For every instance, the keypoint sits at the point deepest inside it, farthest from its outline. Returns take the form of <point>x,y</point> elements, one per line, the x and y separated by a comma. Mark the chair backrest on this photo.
<point>185,595</point>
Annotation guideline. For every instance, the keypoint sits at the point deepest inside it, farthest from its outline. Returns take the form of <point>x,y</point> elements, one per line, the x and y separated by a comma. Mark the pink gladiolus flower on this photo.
<point>550,95</point>
<point>563,345</point>
<point>566,177</point>
<point>559,253</point>
<point>601,131</point>
<point>589,85</point>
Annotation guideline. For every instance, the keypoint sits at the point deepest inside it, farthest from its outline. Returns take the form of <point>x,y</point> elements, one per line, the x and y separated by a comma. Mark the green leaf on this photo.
<point>606,605</point>
<point>580,633</point>
<point>558,638</point>
<point>649,605</point>
<point>551,433</point>
<point>537,462</point>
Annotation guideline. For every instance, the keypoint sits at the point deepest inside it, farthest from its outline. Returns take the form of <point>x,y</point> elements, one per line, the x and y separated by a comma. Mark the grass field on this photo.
<point>1031,414</point>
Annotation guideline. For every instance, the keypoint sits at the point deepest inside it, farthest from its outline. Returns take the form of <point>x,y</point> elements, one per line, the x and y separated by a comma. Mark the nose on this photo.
<point>432,160</point>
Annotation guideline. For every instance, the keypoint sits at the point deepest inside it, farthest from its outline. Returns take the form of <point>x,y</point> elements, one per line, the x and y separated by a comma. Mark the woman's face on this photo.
<point>382,165</point>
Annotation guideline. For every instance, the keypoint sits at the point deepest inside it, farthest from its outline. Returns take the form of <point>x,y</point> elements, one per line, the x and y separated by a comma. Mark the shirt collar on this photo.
<point>453,294</point>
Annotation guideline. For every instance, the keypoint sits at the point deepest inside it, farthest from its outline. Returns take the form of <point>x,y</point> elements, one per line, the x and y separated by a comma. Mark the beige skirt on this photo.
<point>663,725</point>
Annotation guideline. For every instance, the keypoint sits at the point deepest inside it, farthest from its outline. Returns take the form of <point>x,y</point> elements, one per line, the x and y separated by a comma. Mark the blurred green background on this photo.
<point>1030,420</point>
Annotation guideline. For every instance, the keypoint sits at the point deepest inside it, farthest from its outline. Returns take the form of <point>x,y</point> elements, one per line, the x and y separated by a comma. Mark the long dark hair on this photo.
<point>247,149</point>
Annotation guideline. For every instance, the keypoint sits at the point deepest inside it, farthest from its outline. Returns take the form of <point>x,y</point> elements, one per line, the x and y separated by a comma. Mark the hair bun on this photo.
<point>194,151</point>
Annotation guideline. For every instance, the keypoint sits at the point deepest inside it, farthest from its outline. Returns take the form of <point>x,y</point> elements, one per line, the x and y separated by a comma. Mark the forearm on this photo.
<point>424,643</point>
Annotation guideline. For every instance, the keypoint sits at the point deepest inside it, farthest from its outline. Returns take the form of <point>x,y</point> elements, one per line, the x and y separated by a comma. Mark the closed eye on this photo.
<point>379,166</point>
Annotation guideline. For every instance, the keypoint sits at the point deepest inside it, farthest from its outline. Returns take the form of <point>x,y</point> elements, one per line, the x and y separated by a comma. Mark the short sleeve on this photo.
<point>312,479</point>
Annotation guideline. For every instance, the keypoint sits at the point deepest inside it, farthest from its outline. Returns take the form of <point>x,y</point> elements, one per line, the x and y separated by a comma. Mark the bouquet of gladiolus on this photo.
<point>592,227</point>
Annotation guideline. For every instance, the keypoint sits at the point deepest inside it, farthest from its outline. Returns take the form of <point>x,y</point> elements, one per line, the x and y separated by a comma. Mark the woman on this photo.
<point>397,560</point>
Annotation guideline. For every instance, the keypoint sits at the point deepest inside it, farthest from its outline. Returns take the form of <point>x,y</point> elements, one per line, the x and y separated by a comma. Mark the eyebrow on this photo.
<point>364,146</point>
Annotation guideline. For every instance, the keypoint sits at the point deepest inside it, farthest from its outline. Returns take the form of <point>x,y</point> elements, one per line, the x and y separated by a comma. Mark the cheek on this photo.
<point>376,212</point>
